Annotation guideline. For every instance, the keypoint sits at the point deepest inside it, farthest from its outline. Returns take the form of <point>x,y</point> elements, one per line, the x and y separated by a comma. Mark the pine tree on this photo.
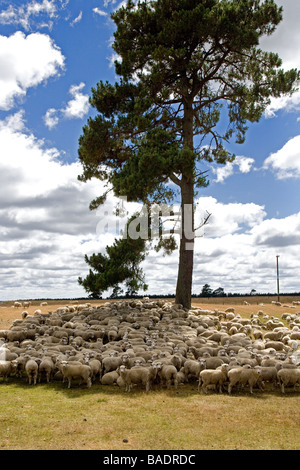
<point>183,64</point>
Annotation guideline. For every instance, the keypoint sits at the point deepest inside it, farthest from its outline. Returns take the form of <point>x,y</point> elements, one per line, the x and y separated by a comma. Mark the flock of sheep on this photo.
<point>153,343</point>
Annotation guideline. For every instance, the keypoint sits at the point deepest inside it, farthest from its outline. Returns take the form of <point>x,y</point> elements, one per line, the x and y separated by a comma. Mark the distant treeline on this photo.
<point>171,296</point>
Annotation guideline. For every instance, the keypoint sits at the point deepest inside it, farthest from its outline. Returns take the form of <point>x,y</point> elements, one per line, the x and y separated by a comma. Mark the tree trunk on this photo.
<point>186,250</point>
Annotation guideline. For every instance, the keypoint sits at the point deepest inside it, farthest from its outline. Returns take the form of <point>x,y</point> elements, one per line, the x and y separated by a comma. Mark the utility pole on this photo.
<point>277,256</point>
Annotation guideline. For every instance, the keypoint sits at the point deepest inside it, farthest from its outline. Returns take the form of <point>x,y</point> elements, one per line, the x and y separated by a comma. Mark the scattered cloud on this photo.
<point>25,15</point>
<point>77,19</point>
<point>243,164</point>
<point>51,118</point>
<point>79,105</point>
<point>26,61</point>
<point>99,12</point>
<point>286,161</point>
<point>76,108</point>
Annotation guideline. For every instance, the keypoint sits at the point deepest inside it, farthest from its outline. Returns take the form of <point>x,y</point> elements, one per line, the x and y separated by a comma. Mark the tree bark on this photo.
<point>186,249</point>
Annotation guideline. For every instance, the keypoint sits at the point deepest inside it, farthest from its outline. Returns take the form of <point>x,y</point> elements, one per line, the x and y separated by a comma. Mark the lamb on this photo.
<point>242,376</point>
<point>72,371</point>
<point>287,377</point>
<point>216,377</point>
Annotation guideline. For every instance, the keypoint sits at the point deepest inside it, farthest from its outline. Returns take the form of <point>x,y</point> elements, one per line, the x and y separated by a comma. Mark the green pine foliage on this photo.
<point>183,64</point>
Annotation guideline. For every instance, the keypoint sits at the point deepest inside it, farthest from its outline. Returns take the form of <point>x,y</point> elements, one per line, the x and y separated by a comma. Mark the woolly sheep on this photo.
<point>46,367</point>
<point>243,376</point>
<point>137,375</point>
<point>31,369</point>
<point>110,378</point>
<point>216,377</point>
<point>76,371</point>
<point>5,369</point>
<point>167,374</point>
<point>288,377</point>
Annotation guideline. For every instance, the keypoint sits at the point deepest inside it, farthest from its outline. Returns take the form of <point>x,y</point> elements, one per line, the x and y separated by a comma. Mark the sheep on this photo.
<point>167,374</point>
<point>31,369</point>
<point>46,367</point>
<point>242,376</point>
<point>137,375</point>
<point>18,365</point>
<point>110,363</point>
<point>110,378</point>
<point>212,362</point>
<point>17,304</point>
<point>74,371</point>
<point>192,368</point>
<point>5,369</point>
<point>287,377</point>
<point>216,377</point>
<point>96,368</point>
<point>267,374</point>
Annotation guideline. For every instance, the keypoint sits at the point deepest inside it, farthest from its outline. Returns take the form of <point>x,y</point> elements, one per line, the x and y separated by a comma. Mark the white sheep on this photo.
<point>243,376</point>
<point>76,371</point>
<point>216,377</point>
<point>5,369</point>
<point>137,375</point>
<point>31,369</point>
<point>288,377</point>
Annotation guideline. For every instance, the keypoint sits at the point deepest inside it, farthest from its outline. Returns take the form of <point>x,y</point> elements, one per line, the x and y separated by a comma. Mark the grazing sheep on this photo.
<point>216,377</point>
<point>288,377</point>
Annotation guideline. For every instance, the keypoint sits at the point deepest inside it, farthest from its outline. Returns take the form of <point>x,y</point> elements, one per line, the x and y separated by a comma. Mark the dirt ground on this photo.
<point>9,313</point>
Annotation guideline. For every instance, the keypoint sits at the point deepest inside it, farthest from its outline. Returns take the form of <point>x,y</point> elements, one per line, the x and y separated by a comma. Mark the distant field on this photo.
<point>8,313</point>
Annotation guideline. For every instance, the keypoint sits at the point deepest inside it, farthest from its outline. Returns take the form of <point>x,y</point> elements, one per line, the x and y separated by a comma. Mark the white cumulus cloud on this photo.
<point>76,108</point>
<point>286,161</point>
<point>26,61</point>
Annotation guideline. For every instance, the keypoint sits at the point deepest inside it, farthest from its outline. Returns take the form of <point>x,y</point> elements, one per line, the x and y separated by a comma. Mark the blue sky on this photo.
<point>52,52</point>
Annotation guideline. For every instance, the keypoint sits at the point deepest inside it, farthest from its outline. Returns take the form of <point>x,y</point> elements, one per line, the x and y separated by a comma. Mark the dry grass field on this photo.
<point>52,417</point>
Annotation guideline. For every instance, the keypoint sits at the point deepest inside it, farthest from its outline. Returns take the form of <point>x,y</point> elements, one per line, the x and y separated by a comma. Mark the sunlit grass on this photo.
<point>53,417</point>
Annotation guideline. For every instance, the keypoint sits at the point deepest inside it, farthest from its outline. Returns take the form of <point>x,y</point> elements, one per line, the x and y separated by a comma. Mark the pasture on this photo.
<point>53,417</point>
